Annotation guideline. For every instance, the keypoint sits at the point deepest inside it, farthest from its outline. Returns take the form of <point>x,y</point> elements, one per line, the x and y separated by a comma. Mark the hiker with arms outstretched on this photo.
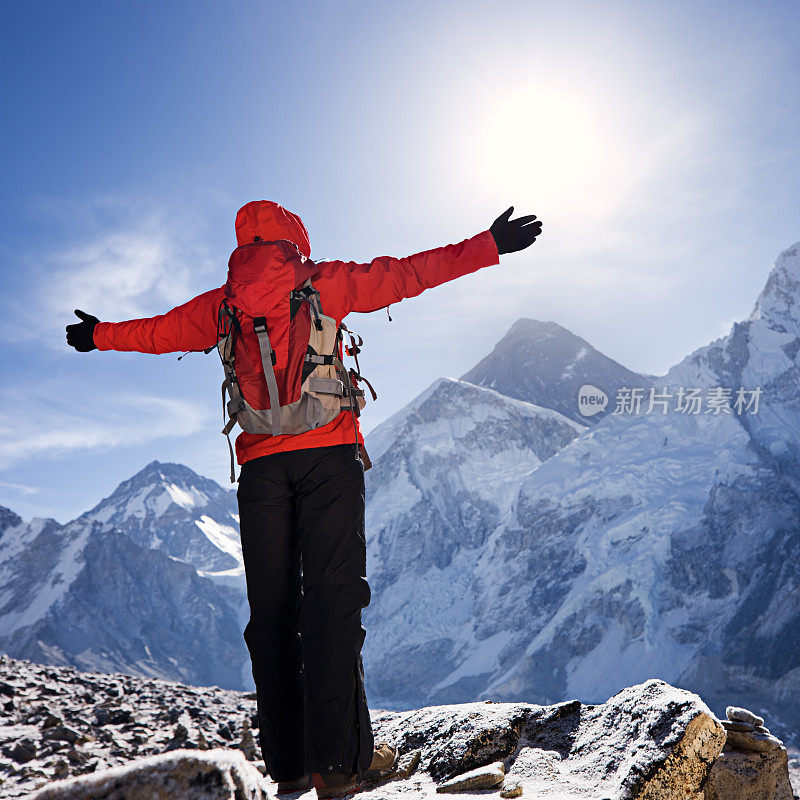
<point>278,326</point>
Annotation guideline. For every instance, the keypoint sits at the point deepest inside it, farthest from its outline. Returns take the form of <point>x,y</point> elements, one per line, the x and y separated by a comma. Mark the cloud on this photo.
<point>20,487</point>
<point>55,421</point>
<point>137,261</point>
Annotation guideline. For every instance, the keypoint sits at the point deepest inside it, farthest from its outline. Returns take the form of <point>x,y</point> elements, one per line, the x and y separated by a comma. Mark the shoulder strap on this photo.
<point>311,296</point>
<point>268,360</point>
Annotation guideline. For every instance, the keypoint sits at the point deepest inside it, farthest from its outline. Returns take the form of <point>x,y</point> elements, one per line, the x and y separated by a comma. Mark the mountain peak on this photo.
<point>155,488</point>
<point>8,519</point>
<point>778,302</point>
<point>166,470</point>
<point>543,363</point>
<point>169,507</point>
<point>532,328</point>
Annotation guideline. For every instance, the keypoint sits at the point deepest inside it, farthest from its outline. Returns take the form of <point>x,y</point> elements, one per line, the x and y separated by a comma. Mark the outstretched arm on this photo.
<point>191,326</point>
<point>348,286</point>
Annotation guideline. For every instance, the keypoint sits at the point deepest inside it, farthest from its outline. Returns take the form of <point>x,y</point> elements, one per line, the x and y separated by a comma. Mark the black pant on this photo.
<point>301,516</point>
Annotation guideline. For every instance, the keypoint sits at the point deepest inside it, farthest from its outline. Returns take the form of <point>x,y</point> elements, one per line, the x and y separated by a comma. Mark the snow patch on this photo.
<point>222,536</point>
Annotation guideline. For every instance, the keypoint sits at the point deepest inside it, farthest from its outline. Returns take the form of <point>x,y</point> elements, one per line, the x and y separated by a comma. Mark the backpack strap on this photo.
<point>309,294</point>
<point>268,360</point>
<point>227,430</point>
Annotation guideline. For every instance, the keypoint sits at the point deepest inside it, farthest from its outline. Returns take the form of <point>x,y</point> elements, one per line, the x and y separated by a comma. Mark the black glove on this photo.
<point>512,235</point>
<point>81,334</point>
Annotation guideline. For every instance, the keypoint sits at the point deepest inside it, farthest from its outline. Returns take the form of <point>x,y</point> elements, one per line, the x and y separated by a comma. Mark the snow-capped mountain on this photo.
<point>663,544</point>
<point>165,506</point>
<point>514,552</point>
<point>443,469</point>
<point>544,363</point>
<point>86,595</point>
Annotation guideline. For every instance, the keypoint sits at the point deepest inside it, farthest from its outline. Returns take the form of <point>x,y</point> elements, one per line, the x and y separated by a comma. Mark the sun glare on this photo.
<point>549,144</point>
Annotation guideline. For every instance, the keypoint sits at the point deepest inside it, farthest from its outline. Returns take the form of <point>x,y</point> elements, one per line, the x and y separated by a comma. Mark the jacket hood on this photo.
<point>261,276</point>
<point>270,222</point>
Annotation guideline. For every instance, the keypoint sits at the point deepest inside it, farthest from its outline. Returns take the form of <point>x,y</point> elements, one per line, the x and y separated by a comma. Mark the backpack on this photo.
<point>320,386</point>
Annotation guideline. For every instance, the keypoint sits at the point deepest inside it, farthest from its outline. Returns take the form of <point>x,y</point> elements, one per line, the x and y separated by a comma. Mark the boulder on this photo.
<point>480,778</point>
<point>513,789</point>
<point>755,741</point>
<point>735,714</point>
<point>753,765</point>
<point>749,775</point>
<point>179,775</point>
<point>650,742</point>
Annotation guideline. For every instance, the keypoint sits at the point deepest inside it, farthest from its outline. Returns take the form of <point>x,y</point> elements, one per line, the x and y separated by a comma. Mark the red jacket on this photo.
<point>344,286</point>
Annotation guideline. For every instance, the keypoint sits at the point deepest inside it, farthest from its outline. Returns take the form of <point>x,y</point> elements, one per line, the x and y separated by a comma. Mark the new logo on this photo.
<point>591,400</point>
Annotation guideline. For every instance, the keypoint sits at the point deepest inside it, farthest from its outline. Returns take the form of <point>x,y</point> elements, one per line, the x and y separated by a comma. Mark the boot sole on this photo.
<point>305,788</point>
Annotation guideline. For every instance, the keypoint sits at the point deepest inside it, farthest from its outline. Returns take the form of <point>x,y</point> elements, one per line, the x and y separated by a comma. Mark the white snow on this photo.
<point>481,657</point>
<point>52,586</point>
<point>186,499</point>
<point>633,482</point>
<point>222,536</point>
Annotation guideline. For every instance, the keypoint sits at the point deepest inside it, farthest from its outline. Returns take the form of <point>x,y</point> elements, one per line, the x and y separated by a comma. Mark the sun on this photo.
<point>552,145</point>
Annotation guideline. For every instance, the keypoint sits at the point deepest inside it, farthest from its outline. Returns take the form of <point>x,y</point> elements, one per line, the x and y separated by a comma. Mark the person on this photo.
<point>301,496</point>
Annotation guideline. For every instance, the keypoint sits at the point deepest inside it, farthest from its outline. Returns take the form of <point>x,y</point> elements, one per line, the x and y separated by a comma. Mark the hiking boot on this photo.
<point>384,760</point>
<point>335,784</point>
<point>300,784</point>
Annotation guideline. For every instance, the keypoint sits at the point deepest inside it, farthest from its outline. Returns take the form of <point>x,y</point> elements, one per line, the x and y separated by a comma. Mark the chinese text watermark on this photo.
<point>683,400</point>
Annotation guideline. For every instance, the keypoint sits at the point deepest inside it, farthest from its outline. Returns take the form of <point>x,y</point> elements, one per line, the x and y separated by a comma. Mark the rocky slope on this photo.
<point>57,721</point>
<point>653,544</point>
<point>544,363</point>
<point>648,741</point>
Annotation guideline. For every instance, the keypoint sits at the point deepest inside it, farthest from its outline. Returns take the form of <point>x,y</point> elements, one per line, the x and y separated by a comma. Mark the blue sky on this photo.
<point>658,142</point>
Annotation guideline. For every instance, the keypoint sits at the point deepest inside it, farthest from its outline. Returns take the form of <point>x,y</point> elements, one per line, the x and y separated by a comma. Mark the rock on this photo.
<point>407,763</point>
<point>60,768</point>
<point>76,756</point>
<point>757,742</point>
<point>737,726</point>
<point>189,774</point>
<point>735,714</point>
<point>110,713</point>
<point>226,731</point>
<point>23,752</point>
<point>121,715</point>
<point>179,740</point>
<point>247,745</point>
<point>649,741</point>
<point>512,790</point>
<point>749,776</point>
<point>63,733</point>
<point>481,778</point>
<point>51,721</point>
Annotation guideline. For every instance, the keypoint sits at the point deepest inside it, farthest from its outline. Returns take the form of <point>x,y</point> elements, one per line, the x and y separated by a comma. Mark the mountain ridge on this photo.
<point>546,364</point>
<point>644,547</point>
<point>517,551</point>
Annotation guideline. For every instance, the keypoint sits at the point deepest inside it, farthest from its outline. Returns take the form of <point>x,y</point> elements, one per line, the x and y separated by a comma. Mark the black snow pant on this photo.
<point>301,516</point>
